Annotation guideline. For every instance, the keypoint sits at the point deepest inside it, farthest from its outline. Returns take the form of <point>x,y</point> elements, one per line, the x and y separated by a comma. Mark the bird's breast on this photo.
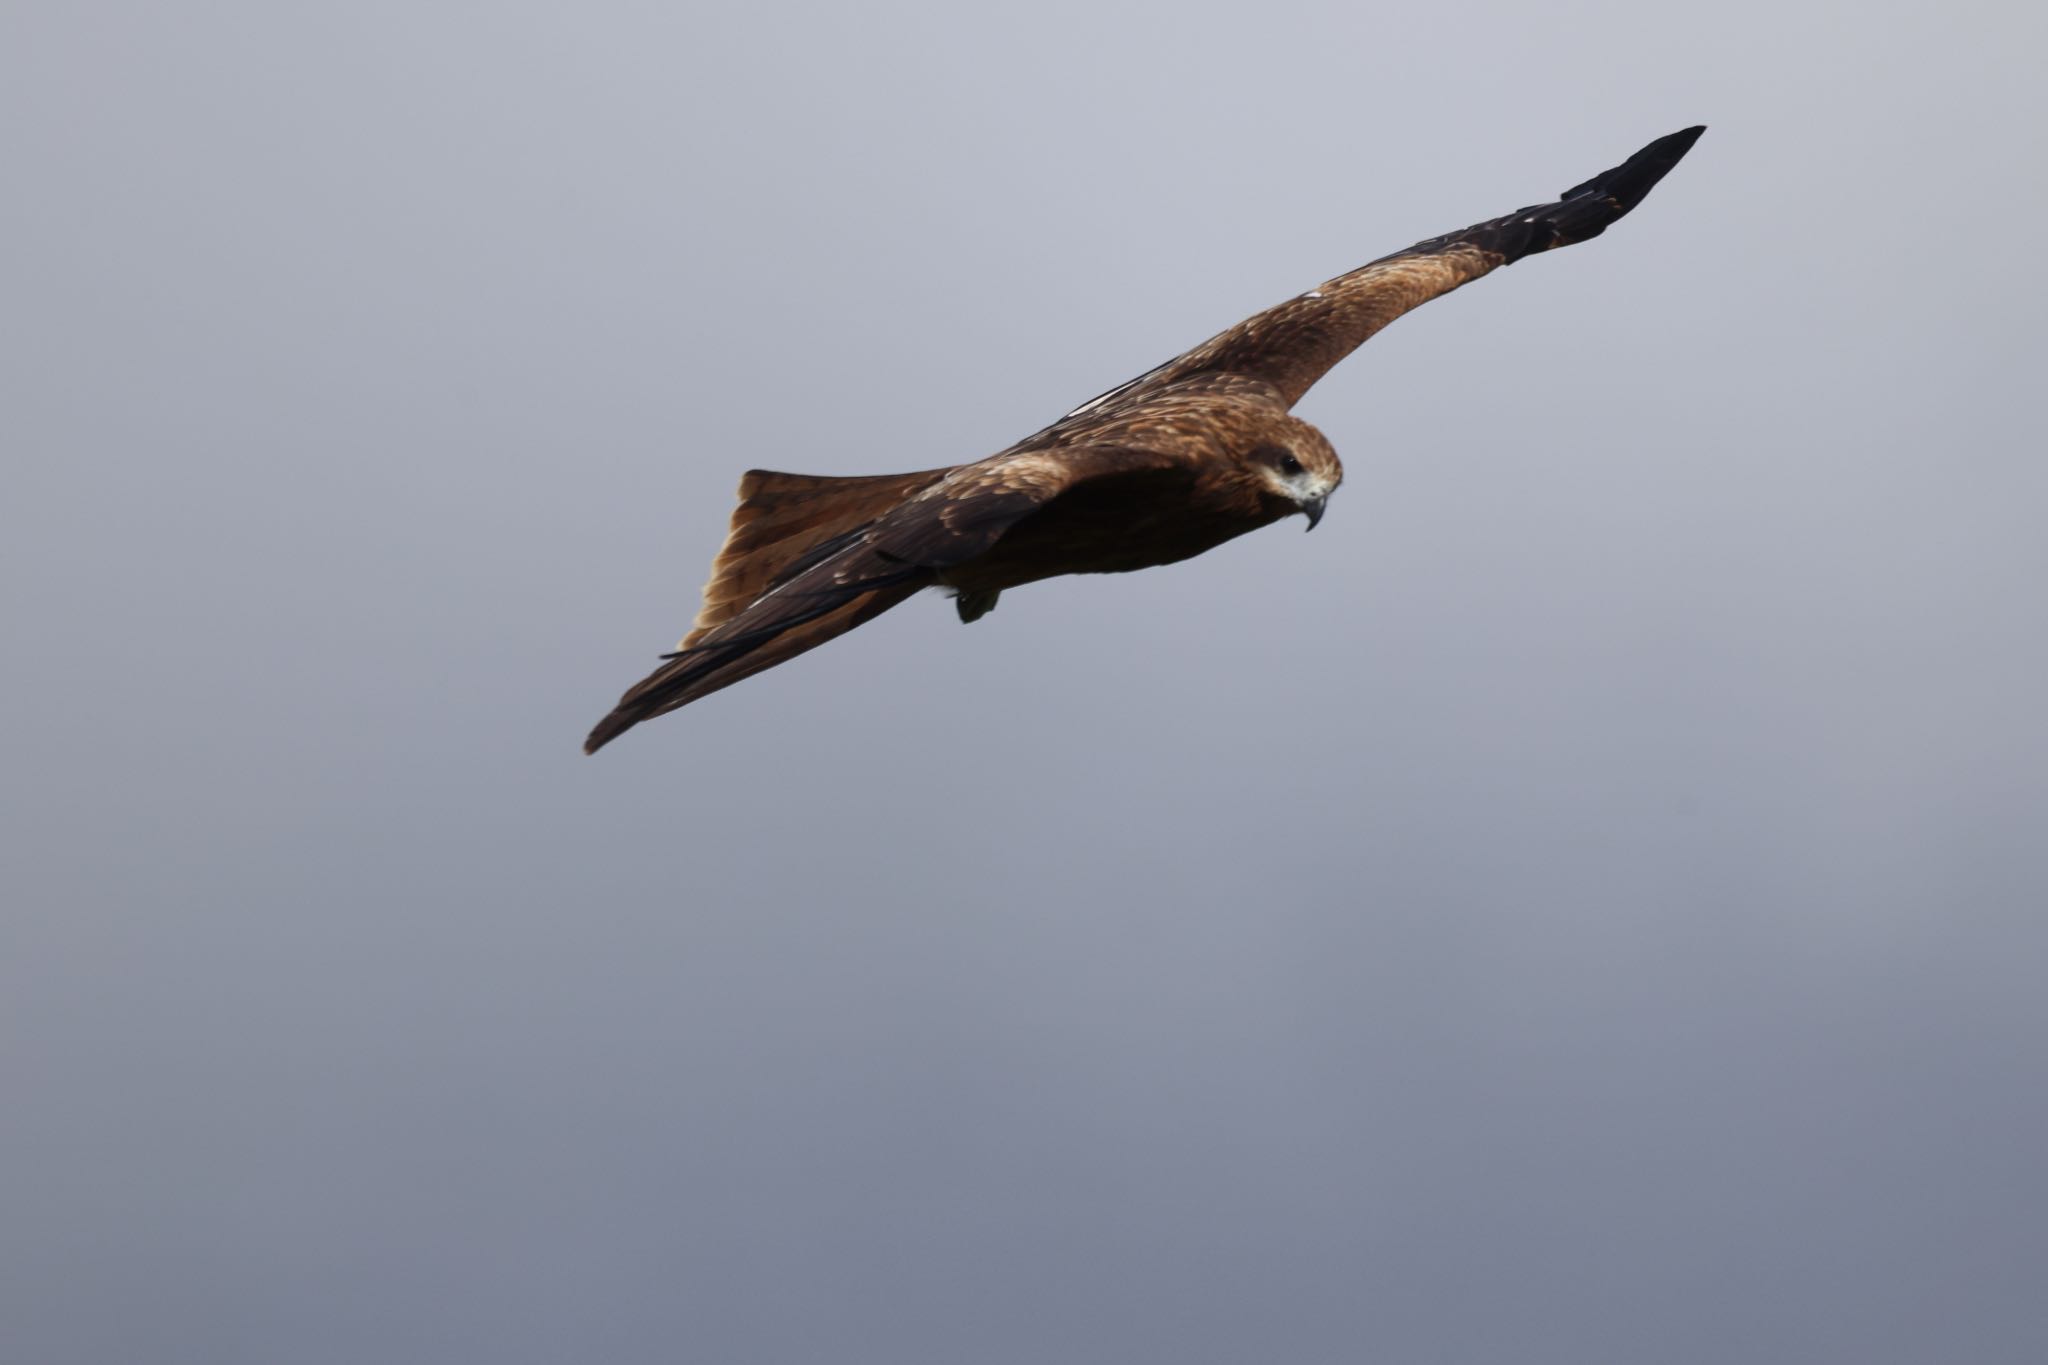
<point>1088,532</point>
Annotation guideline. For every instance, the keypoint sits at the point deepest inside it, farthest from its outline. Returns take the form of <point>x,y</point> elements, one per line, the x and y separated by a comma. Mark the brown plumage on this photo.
<point>1175,462</point>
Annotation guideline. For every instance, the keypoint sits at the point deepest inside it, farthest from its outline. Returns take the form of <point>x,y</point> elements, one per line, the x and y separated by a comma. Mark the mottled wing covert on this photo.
<point>965,514</point>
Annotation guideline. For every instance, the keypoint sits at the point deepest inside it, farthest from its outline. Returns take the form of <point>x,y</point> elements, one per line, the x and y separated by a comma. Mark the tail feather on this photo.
<point>783,524</point>
<point>795,571</point>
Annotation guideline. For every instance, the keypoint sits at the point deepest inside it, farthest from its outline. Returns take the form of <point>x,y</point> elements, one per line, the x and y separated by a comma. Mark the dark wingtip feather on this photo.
<point>1587,209</point>
<point>1627,184</point>
<point>609,729</point>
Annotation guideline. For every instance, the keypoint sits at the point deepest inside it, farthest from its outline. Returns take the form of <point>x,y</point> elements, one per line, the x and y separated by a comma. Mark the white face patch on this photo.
<point>1303,487</point>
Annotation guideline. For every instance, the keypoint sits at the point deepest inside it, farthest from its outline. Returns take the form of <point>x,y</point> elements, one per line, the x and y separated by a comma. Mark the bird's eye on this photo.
<point>1289,465</point>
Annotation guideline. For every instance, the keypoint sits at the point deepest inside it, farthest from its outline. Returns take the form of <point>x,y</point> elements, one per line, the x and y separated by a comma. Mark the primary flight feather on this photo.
<point>1175,462</point>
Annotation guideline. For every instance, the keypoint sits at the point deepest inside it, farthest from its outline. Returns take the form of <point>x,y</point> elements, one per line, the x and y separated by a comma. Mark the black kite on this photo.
<point>1175,462</point>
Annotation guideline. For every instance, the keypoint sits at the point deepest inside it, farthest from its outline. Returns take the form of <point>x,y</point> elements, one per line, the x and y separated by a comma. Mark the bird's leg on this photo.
<point>972,606</point>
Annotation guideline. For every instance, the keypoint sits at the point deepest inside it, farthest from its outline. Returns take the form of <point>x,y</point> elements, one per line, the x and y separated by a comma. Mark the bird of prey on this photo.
<point>1175,462</point>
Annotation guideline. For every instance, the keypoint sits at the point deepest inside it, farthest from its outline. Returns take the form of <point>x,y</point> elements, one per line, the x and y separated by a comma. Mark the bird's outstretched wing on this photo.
<point>878,555</point>
<point>847,586</point>
<point>1292,345</point>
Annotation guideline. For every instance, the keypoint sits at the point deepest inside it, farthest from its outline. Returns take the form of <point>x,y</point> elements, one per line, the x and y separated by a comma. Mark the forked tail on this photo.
<point>795,571</point>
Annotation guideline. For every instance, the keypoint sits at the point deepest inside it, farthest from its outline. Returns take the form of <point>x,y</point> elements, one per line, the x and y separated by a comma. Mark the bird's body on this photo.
<point>1173,463</point>
<point>1176,487</point>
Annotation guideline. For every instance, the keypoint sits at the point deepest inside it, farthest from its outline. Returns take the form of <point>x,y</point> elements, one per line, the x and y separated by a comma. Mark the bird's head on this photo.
<point>1292,467</point>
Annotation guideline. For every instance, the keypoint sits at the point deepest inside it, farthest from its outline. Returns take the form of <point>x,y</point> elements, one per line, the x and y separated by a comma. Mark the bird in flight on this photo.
<point>1175,462</point>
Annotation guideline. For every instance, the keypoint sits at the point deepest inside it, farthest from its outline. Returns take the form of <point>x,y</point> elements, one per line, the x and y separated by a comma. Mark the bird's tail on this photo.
<point>783,523</point>
<point>792,574</point>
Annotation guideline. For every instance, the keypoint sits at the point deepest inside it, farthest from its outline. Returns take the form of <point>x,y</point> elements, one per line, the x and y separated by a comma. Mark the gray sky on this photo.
<point>1584,904</point>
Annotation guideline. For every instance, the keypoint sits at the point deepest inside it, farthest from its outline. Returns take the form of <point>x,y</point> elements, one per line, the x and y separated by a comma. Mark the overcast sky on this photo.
<point>1584,904</point>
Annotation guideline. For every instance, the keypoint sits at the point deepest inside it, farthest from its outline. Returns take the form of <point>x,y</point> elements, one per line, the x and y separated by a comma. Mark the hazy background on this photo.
<point>1584,904</point>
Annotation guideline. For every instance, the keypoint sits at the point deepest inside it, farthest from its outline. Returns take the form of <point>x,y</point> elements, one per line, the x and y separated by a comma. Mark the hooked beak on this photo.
<point>1313,510</point>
